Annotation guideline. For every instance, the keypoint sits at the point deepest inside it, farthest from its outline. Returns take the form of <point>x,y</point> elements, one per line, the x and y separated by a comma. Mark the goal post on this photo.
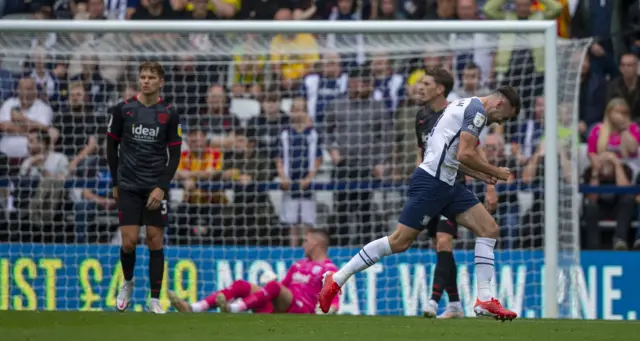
<point>560,252</point>
<point>551,234</point>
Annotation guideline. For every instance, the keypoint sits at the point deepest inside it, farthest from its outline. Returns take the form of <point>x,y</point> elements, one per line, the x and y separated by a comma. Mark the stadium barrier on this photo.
<point>55,277</point>
<point>259,186</point>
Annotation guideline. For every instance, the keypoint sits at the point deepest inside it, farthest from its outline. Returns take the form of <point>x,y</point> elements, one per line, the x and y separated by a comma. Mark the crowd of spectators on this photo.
<point>304,113</point>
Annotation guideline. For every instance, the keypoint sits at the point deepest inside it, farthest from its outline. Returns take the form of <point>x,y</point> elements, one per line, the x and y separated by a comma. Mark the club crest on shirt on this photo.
<point>316,269</point>
<point>163,118</point>
<point>478,121</point>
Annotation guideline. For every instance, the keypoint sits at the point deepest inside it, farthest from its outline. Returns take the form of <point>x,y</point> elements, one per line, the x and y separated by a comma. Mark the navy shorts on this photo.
<point>429,198</point>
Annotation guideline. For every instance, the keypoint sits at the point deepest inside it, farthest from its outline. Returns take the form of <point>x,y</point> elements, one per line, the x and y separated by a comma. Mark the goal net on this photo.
<point>260,113</point>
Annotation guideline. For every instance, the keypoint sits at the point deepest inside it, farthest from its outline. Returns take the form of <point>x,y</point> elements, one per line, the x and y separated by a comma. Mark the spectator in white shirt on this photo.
<point>43,162</point>
<point>39,205</point>
<point>20,115</point>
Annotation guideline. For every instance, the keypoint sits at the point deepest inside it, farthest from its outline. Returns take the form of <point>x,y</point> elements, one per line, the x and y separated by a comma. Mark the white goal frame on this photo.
<point>548,28</point>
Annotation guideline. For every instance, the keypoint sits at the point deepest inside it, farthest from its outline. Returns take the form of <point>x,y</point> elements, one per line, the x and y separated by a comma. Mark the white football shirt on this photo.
<point>441,149</point>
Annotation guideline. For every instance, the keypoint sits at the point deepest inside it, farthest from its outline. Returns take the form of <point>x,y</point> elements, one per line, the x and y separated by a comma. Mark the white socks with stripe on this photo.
<point>484,260</point>
<point>369,255</point>
<point>374,251</point>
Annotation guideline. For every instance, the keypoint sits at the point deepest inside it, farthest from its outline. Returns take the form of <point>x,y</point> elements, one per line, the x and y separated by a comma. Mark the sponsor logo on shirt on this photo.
<point>301,278</point>
<point>142,133</point>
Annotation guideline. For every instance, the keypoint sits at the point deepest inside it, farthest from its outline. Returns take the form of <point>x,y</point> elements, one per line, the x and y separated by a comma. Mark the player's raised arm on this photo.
<point>174,142</point>
<point>114,132</point>
<point>473,122</point>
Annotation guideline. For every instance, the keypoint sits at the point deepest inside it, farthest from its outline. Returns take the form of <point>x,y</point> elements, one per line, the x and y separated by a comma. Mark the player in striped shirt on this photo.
<point>451,145</point>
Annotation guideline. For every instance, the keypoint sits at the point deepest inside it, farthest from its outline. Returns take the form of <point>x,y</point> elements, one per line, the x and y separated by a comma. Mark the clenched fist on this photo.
<point>503,173</point>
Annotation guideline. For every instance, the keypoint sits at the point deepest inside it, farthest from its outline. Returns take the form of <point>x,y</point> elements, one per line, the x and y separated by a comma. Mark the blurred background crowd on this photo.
<point>301,109</point>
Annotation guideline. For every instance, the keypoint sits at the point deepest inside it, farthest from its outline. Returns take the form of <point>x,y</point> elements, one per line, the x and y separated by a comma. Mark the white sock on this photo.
<point>484,260</point>
<point>200,306</point>
<point>237,306</point>
<point>369,255</point>
<point>454,306</point>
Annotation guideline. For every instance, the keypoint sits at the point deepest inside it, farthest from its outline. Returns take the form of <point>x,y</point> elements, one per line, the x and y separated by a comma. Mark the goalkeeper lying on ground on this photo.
<point>297,293</point>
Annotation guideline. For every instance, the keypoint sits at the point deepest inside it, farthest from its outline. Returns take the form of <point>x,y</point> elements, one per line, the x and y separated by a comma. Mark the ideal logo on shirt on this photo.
<point>140,132</point>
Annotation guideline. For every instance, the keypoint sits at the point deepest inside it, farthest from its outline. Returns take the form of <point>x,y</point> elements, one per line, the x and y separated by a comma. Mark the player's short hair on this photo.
<point>320,232</point>
<point>441,77</point>
<point>511,94</point>
<point>152,66</point>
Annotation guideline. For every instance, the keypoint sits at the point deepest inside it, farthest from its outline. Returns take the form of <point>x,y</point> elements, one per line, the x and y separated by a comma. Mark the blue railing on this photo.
<point>324,186</point>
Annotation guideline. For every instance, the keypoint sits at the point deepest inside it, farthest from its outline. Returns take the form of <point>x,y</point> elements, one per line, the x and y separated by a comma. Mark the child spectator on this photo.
<point>298,160</point>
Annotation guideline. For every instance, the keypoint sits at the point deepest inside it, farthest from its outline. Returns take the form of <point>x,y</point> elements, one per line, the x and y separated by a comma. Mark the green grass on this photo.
<point>98,326</point>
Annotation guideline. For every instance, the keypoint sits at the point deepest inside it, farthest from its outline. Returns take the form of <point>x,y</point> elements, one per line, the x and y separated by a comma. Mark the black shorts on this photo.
<point>132,209</point>
<point>437,224</point>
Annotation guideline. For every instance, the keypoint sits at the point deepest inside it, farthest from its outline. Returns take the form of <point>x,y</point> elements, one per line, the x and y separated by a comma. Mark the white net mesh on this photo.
<point>237,94</point>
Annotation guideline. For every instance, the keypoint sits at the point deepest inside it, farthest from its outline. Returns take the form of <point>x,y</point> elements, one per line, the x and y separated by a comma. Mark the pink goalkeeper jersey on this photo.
<point>614,139</point>
<point>304,279</point>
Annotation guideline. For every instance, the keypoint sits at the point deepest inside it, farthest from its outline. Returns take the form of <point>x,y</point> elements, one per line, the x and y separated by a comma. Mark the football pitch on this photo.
<point>99,326</point>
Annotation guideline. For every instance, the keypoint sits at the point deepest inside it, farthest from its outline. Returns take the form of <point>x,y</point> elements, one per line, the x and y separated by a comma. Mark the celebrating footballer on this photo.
<point>433,89</point>
<point>141,130</point>
<point>450,145</point>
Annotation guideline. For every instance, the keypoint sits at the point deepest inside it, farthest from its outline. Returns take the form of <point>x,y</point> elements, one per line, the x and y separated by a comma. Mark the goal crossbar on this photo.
<point>546,28</point>
<point>373,27</point>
